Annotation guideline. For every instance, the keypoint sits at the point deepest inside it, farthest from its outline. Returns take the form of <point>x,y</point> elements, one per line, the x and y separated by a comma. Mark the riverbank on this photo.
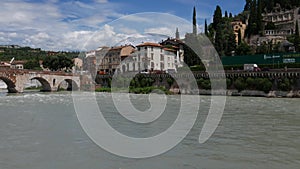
<point>244,93</point>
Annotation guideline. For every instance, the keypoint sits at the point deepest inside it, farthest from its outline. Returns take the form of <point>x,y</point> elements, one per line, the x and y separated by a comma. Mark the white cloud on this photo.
<point>101,1</point>
<point>161,31</point>
<point>76,25</point>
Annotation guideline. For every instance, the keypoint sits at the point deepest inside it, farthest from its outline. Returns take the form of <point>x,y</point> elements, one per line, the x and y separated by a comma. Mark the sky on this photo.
<point>73,25</point>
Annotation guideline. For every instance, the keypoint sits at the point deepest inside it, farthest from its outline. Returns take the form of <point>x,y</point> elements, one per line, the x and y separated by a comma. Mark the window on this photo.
<point>152,48</point>
<point>162,66</point>
<point>152,56</point>
<point>162,57</point>
<point>152,65</point>
<point>133,65</point>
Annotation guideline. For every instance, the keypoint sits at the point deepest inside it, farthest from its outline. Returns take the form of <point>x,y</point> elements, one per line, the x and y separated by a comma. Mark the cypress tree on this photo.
<point>217,19</point>
<point>248,5</point>
<point>230,15</point>
<point>194,22</point>
<point>297,38</point>
<point>239,37</point>
<point>259,17</point>
<point>226,14</point>
<point>205,28</point>
<point>219,40</point>
<point>252,26</point>
<point>230,41</point>
<point>177,34</point>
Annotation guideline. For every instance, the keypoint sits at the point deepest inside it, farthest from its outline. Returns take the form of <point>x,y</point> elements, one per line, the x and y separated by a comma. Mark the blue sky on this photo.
<point>69,24</point>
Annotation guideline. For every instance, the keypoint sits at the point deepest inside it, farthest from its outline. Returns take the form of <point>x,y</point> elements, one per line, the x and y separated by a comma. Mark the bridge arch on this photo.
<point>72,85</point>
<point>46,87</point>
<point>11,87</point>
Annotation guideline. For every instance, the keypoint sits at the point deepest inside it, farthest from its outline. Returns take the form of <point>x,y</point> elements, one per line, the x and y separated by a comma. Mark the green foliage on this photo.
<point>194,22</point>
<point>260,84</point>
<point>205,28</point>
<point>251,83</point>
<point>284,85</point>
<point>270,26</point>
<point>170,81</point>
<point>32,64</point>
<point>263,84</point>
<point>204,84</point>
<point>147,90</point>
<point>103,89</point>
<point>27,53</point>
<point>58,62</point>
<point>228,82</point>
<point>297,38</point>
<point>141,82</point>
<point>192,49</point>
<point>217,18</point>
<point>243,49</point>
<point>239,37</point>
<point>240,84</point>
<point>247,5</point>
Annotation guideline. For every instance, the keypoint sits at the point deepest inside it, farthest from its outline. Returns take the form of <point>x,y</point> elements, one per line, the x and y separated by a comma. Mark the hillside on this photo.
<point>27,53</point>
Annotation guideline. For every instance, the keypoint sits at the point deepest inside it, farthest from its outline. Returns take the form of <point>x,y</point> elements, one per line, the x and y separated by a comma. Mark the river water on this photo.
<point>41,131</point>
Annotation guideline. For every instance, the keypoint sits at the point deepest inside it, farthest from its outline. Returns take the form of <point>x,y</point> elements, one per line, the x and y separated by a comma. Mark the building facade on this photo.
<point>238,26</point>
<point>112,57</point>
<point>283,20</point>
<point>151,57</point>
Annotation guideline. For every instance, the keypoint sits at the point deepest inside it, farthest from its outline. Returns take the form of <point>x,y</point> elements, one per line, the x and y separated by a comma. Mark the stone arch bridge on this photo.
<point>50,81</point>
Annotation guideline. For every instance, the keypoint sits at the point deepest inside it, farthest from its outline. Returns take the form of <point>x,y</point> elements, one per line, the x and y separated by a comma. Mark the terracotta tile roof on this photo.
<point>149,44</point>
<point>120,47</point>
<point>168,49</point>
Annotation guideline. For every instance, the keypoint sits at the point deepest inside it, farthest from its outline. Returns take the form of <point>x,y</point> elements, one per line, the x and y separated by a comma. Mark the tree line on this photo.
<point>52,60</point>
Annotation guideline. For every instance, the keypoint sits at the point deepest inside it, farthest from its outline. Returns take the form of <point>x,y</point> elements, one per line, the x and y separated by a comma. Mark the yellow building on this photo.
<point>239,26</point>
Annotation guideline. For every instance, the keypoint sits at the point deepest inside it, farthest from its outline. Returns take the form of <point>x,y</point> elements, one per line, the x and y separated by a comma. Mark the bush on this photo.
<point>240,84</point>
<point>285,85</point>
<point>251,83</point>
<point>264,84</point>
<point>103,89</point>
<point>204,84</point>
<point>147,90</point>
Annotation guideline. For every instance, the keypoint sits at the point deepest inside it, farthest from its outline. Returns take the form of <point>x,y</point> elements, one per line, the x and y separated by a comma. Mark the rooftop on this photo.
<point>149,44</point>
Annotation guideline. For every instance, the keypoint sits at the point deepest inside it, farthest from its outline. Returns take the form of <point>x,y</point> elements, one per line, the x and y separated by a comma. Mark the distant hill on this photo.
<point>7,52</point>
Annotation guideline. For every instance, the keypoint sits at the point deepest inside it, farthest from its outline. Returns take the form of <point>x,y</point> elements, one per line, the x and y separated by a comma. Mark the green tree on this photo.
<point>243,49</point>
<point>239,37</point>
<point>297,38</point>
<point>252,26</point>
<point>259,17</point>
<point>32,64</point>
<point>247,5</point>
<point>217,18</point>
<point>194,21</point>
<point>226,14</point>
<point>219,42</point>
<point>231,41</point>
<point>205,28</point>
<point>58,62</point>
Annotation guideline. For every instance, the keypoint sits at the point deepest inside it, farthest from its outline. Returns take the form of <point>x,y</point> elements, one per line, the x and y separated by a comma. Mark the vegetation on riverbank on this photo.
<point>146,85</point>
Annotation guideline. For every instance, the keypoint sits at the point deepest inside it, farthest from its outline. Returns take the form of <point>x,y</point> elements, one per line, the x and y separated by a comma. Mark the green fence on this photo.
<point>267,59</point>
